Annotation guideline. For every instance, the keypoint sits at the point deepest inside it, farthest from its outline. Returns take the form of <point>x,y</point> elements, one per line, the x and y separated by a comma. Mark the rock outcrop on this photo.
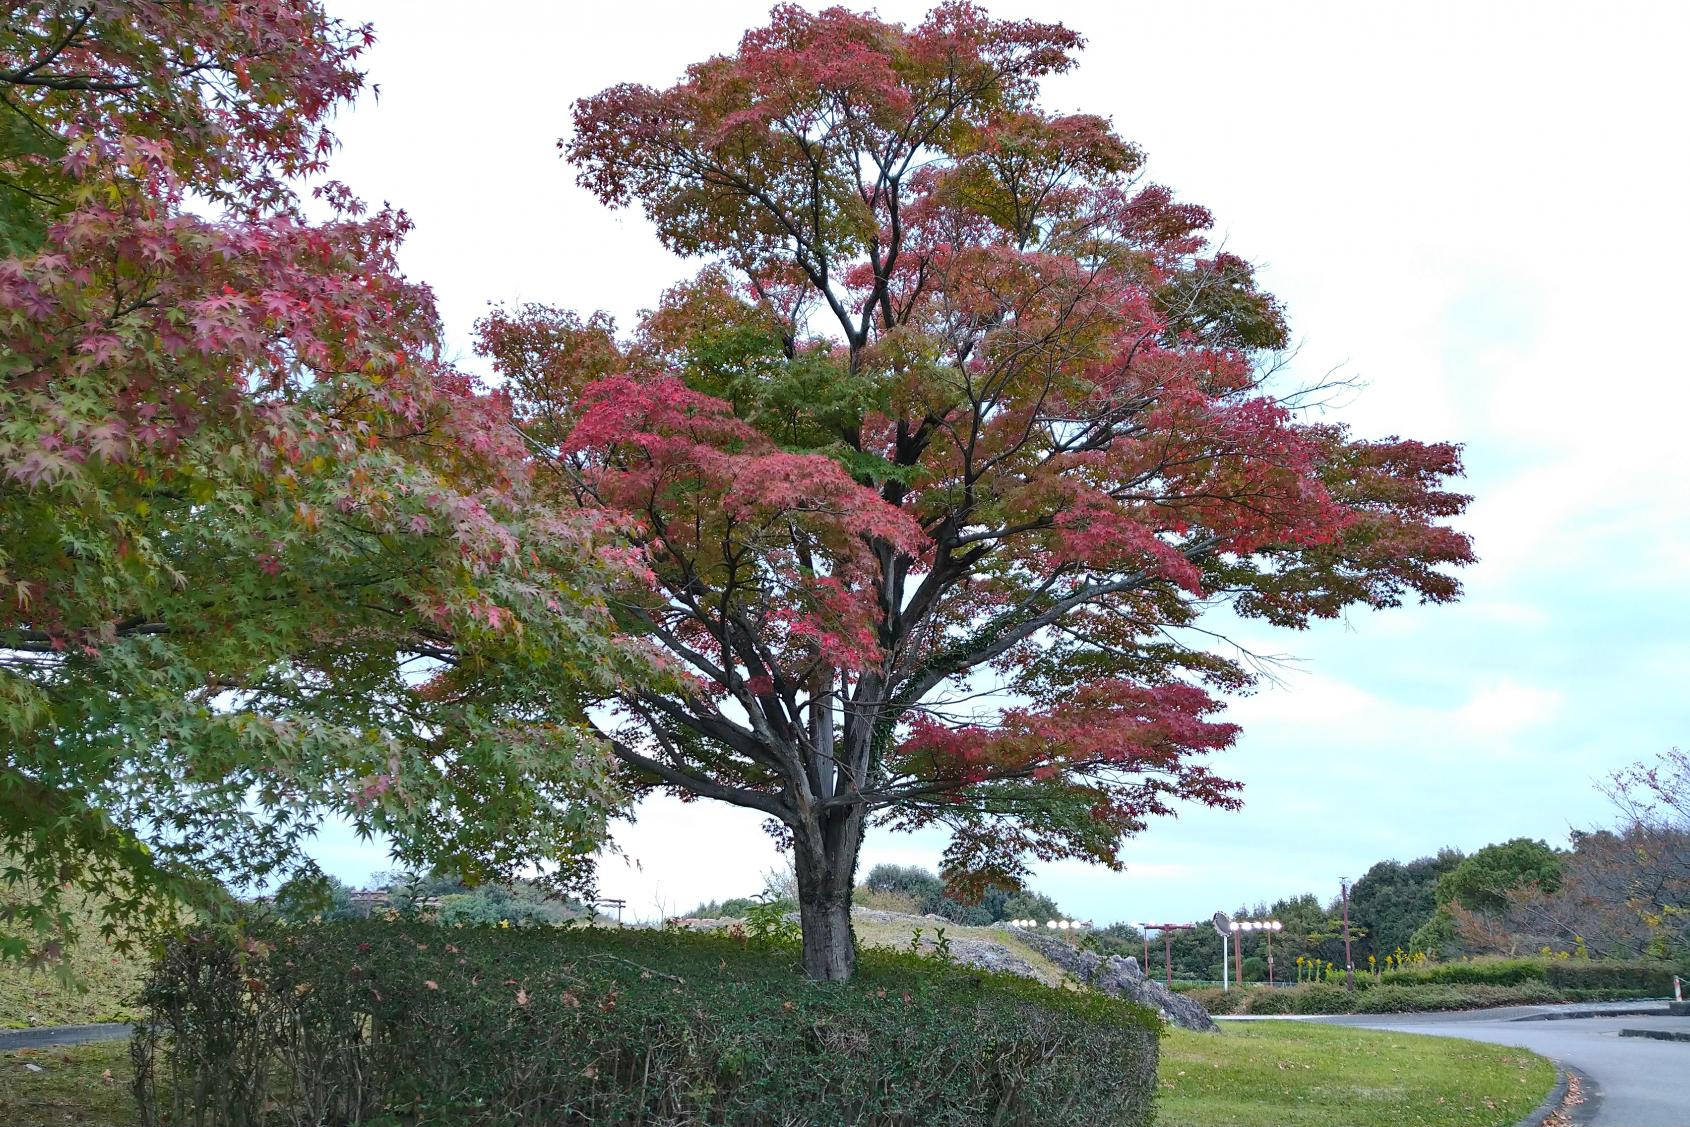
<point>1121,977</point>
<point>987,955</point>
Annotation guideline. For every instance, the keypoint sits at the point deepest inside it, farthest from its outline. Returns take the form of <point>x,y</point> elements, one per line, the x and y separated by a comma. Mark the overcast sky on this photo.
<point>1475,210</point>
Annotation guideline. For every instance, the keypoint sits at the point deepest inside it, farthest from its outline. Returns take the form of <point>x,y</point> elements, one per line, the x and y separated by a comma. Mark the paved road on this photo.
<point>1639,1082</point>
<point>64,1035</point>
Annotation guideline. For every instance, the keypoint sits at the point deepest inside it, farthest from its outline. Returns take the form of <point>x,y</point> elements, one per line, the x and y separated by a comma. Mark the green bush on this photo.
<point>1426,999</point>
<point>1320,998</point>
<point>911,880</point>
<point>1216,1000</point>
<point>1478,972</point>
<point>1652,978</point>
<point>1270,1001</point>
<point>733,908</point>
<point>416,1024</point>
<point>1573,994</point>
<point>1332,998</point>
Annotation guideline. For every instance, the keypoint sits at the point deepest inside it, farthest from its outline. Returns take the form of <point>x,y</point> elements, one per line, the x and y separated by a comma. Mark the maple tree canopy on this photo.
<point>935,467</point>
<point>263,555</point>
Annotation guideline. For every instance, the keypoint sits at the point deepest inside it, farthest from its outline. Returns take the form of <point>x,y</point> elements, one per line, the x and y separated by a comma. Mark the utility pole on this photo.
<point>1167,933</point>
<point>1349,963</point>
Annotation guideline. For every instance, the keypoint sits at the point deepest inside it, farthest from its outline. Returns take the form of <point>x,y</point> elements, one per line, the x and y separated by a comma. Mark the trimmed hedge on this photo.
<point>1653,978</point>
<point>366,1022</point>
<point>1328,998</point>
<point>1480,972</point>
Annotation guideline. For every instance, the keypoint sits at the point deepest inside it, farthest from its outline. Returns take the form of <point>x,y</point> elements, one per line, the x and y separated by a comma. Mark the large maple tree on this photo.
<point>938,464</point>
<point>263,555</point>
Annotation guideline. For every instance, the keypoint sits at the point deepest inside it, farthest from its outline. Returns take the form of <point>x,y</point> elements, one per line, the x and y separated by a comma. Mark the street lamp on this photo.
<point>1166,932</point>
<point>1239,928</point>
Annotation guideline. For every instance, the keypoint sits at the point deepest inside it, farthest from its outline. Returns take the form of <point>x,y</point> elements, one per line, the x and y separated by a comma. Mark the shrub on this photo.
<point>1332,998</point>
<point>1437,934</point>
<point>407,1022</point>
<point>1653,978</point>
<point>912,880</point>
<point>885,901</point>
<point>1116,939</point>
<point>1573,994</point>
<point>919,892</point>
<point>1214,999</point>
<point>1426,999</point>
<point>733,908</point>
<point>1322,998</point>
<point>1272,1002</point>
<point>1479,972</point>
<point>1028,904</point>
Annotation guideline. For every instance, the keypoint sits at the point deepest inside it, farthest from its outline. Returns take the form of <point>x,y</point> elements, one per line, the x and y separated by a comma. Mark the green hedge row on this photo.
<point>1480,972</point>
<point>1653,978</point>
<point>372,1022</point>
<point>1388,997</point>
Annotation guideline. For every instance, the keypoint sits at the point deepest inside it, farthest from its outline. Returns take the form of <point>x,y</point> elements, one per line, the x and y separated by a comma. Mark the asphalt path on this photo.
<point>1632,1081</point>
<point>53,1036</point>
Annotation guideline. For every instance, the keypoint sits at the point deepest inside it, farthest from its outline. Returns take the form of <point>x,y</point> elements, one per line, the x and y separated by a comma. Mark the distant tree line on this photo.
<point>441,896</point>
<point>1616,892</point>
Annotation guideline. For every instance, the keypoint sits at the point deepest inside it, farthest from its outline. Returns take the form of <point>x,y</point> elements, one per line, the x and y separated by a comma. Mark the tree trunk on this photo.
<point>825,860</point>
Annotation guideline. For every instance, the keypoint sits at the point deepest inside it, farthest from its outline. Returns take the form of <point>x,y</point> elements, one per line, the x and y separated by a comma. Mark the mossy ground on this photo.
<point>96,983</point>
<point>87,1085</point>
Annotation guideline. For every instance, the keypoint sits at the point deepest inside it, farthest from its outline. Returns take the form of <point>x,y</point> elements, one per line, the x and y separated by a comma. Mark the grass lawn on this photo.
<point>106,991</point>
<point>1297,1074</point>
<point>87,1085</point>
<point>107,981</point>
<point>1261,1074</point>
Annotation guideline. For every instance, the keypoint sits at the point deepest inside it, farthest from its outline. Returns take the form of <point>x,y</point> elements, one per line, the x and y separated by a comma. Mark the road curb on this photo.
<point>1658,1034</point>
<point>1624,1011</point>
<point>1551,1103</point>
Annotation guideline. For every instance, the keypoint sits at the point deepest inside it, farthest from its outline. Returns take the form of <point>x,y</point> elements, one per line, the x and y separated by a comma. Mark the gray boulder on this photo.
<point>990,956</point>
<point>1121,977</point>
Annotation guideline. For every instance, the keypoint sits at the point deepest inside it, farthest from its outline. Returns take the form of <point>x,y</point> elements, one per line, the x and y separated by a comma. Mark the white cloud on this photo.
<point>1506,708</point>
<point>676,855</point>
